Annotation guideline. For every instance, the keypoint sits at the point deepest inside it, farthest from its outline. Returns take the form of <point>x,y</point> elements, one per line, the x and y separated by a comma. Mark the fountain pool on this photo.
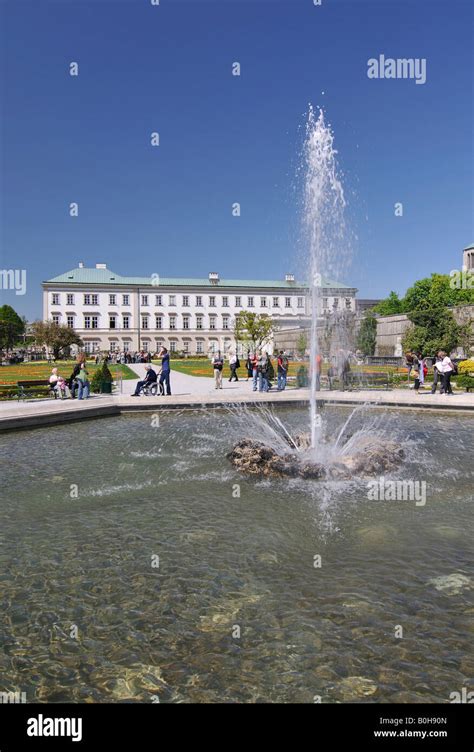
<point>138,564</point>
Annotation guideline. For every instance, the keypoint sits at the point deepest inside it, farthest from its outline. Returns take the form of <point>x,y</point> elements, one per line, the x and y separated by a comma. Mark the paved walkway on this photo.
<point>194,392</point>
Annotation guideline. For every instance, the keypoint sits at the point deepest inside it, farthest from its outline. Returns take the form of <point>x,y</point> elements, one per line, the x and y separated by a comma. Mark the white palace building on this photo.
<point>193,316</point>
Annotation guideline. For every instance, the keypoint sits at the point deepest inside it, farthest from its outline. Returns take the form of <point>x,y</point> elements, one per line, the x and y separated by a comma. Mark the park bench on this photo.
<point>357,380</point>
<point>34,388</point>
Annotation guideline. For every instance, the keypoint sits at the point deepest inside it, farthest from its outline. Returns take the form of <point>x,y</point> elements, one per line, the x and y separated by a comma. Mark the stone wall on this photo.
<point>390,329</point>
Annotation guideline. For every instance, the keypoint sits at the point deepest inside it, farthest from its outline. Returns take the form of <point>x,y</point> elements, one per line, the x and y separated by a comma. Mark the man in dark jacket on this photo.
<point>150,378</point>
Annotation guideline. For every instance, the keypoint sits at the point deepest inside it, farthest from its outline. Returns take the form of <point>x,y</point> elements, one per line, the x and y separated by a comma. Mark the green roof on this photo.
<point>83,276</point>
<point>469,247</point>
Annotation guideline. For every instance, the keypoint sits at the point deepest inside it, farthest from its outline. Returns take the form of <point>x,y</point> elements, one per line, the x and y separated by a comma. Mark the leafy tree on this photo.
<point>11,327</point>
<point>302,344</point>
<point>389,306</point>
<point>435,329</point>
<point>55,336</point>
<point>367,337</point>
<point>253,327</point>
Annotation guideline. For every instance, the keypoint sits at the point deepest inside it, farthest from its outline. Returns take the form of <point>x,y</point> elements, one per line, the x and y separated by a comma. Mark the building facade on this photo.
<point>192,316</point>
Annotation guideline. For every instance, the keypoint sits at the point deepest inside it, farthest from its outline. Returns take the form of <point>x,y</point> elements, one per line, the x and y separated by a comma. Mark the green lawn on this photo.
<point>41,370</point>
<point>203,367</point>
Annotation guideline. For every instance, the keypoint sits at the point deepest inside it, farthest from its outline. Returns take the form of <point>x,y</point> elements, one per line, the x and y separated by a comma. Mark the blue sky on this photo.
<point>224,138</point>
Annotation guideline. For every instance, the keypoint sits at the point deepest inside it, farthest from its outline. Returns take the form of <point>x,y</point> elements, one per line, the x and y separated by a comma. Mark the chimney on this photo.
<point>289,277</point>
<point>81,265</point>
<point>101,266</point>
<point>213,278</point>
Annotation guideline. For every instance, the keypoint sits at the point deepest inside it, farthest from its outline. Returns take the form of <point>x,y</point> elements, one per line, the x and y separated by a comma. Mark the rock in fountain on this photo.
<point>370,458</point>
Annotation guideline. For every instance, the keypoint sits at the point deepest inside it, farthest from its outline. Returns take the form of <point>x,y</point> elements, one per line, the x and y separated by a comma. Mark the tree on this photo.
<point>55,336</point>
<point>302,343</point>
<point>367,336</point>
<point>435,329</point>
<point>389,306</point>
<point>253,327</point>
<point>11,327</point>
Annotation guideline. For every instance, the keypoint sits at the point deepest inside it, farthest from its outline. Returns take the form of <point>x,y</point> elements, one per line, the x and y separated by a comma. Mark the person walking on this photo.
<point>234,364</point>
<point>282,370</point>
<point>165,371</point>
<point>150,378</point>
<point>218,365</point>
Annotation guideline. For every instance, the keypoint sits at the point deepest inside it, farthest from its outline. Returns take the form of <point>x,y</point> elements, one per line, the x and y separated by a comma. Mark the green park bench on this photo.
<point>35,389</point>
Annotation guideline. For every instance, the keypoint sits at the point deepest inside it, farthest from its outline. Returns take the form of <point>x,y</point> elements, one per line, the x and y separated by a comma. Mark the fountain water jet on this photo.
<point>324,226</point>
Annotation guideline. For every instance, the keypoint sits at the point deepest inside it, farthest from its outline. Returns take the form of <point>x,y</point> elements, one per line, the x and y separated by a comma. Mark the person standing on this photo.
<point>282,369</point>
<point>234,364</point>
<point>319,362</point>
<point>165,371</point>
<point>262,369</point>
<point>218,365</point>
<point>437,374</point>
<point>255,357</point>
<point>82,379</point>
<point>447,370</point>
<point>422,367</point>
<point>249,366</point>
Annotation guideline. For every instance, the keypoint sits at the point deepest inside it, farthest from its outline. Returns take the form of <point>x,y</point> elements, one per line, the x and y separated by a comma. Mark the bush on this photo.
<point>466,366</point>
<point>96,381</point>
<point>302,376</point>
<point>464,381</point>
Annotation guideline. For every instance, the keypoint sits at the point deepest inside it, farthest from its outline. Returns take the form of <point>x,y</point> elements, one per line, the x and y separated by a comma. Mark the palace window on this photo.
<point>225,322</point>
<point>159,322</point>
<point>56,318</point>
<point>199,300</point>
<point>212,301</point>
<point>172,346</point>
<point>144,346</point>
<point>336,303</point>
<point>263,302</point>
<point>185,322</point>
<point>113,347</point>
<point>186,347</point>
<point>186,301</point>
<point>348,303</point>
<point>159,300</point>
<point>112,322</point>
<point>144,322</point>
<point>238,303</point>
<point>144,300</point>
<point>212,322</point>
<point>55,298</point>
<point>172,322</point>
<point>112,299</point>
<point>126,322</point>
<point>225,301</point>
<point>199,322</point>
<point>300,302</point>
<point>172,299</point>
<point>70,299</point>
<point>250,301</point>
<point>91,322</point>
<point>70,322</point>
<point>199,347</point>
<point>287,302</point>
<point>276,302</point>
<point>125,299</point>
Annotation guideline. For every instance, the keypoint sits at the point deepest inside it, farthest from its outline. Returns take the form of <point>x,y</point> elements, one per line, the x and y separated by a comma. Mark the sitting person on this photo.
<point>150,378</point>
<point>53,382</point>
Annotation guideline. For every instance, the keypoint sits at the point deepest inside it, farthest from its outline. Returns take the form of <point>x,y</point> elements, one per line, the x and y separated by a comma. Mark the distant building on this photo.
<point>468,257</point>
<point>194,316</point>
